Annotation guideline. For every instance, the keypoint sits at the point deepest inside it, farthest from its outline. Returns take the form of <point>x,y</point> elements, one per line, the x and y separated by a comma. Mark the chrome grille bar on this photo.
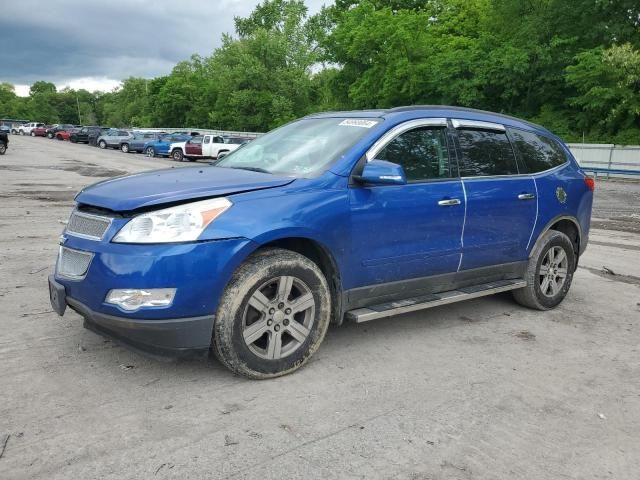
<point>73,264</point>
<point>85,225</point>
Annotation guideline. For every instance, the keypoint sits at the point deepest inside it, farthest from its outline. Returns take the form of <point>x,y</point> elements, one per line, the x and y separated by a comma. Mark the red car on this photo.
<point>66,133</point>
<point>40,131</point>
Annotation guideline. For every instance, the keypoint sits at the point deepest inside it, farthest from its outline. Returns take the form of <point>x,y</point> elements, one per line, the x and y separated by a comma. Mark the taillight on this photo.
<point>590,182</point>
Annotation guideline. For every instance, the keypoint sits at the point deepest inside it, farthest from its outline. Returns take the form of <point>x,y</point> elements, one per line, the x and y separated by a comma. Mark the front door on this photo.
<point>402,232</point>
<point>501,203</point>
<point>193,147</point>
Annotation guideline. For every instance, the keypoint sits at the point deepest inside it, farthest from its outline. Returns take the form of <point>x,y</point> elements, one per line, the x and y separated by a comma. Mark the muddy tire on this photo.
<point>272,316</point>
<point>549,273</point>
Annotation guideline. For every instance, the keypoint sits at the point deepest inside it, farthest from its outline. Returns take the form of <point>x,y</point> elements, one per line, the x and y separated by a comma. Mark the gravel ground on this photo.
<point>617,206</point>
<point>484,389</point>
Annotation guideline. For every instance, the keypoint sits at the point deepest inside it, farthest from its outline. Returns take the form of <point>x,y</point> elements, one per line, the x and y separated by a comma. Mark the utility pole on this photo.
<point>78,103</point>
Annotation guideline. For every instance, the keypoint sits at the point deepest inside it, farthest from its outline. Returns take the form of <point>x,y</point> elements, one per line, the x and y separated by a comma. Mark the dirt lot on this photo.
<point>482,390</point>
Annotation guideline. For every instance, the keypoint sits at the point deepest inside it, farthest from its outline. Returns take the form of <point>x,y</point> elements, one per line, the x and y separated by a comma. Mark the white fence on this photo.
<point>608,159</point>
<point>202,131</point>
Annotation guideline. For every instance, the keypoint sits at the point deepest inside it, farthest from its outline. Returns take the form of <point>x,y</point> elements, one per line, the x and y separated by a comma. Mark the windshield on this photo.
<point>303,148</point>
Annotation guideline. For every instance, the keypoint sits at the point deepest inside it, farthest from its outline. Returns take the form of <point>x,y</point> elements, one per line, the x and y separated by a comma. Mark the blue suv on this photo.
<point>337,216</point>
<point>159,147</point>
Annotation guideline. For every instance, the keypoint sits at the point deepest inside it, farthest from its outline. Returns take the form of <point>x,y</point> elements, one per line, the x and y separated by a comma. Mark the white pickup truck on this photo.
<point>204,146</point>
<point>26,128</point>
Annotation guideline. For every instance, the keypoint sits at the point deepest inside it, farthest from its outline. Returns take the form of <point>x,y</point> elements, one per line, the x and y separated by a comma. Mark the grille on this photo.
<point>73,263</point>
<point>88,226</point>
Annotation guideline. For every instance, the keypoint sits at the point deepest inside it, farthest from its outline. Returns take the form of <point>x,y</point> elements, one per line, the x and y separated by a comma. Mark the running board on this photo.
<point>389,309</point>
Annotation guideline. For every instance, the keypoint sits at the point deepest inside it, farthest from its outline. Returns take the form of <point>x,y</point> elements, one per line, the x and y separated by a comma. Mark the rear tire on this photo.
<point>124,147</point>
<point>151,152</point>
<point>102,144</point>
<point>258,333</point>
<point>549,273</point>
<point>33,134</point>
<point>3,148</point>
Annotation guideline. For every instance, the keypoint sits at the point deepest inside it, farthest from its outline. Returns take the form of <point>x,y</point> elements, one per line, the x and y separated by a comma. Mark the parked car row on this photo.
<point>179,146</point>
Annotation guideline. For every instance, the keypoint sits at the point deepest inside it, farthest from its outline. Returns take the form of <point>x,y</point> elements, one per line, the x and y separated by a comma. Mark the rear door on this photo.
<point>501,202</point>
<point>206,146</point>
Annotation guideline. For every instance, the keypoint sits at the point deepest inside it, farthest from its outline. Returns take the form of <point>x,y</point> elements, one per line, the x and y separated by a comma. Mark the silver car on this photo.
<point>113,138</point>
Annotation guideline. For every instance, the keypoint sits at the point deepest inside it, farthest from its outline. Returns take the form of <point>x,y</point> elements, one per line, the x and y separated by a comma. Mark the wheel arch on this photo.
<point>566,224</point>
<point>323,258</point>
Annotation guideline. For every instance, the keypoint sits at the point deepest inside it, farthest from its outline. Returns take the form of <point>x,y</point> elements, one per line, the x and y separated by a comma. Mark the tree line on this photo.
<point>572,66</point>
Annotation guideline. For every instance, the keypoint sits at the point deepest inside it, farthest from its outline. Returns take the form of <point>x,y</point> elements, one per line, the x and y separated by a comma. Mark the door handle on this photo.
<point>449,202</point>
<point>526,196</point>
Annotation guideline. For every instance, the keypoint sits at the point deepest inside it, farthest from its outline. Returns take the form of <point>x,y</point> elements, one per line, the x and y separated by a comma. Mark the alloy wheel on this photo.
<point>553,271</point>
<point>278,317</point>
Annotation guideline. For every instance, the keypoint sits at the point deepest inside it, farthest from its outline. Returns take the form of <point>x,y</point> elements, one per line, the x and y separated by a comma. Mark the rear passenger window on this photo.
<point>538,153</point>
<point>421,152</point>
<point>486,152</point>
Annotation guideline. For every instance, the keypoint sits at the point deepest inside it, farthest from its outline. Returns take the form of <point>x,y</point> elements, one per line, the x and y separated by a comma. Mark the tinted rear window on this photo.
<point>486,152</point>
<point>538,153</point>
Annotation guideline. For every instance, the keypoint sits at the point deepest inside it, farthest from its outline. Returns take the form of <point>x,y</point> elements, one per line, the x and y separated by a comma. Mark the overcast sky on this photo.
<point>94,45</point>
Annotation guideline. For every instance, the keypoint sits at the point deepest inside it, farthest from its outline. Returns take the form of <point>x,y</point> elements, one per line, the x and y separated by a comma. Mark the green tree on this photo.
<point>42,87</point>
<point>607,83</point>
<point>264,76</point>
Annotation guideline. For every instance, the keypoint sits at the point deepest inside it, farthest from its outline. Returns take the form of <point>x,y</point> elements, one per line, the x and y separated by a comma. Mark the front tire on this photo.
<point>124,147</point>
<point>3,148</point>
<point>50,136</point>
<point>33,134</point>
<point>177,155</point>
<point>102,144</point>
<point>549,273</point>
<point>273,315</point>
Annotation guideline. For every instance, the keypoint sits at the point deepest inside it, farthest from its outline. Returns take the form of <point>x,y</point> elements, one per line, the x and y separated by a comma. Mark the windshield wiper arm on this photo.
<point>253,169</point>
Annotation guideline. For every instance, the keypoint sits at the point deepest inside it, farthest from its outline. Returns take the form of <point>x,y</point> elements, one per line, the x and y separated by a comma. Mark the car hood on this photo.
<point>174,185</point>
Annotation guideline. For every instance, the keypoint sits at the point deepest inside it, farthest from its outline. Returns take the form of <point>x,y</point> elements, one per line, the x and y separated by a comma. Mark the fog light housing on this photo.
<point>134,299</point>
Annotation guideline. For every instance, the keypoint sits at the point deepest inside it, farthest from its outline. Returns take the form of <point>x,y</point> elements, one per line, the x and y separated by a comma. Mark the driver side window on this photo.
<point>421,152</point>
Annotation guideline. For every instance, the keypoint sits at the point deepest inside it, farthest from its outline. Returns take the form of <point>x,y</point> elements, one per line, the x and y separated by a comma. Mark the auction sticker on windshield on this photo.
<point>352,122</point>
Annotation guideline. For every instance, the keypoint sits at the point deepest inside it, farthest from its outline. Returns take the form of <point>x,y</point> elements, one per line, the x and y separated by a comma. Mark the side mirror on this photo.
<point>381,172</point>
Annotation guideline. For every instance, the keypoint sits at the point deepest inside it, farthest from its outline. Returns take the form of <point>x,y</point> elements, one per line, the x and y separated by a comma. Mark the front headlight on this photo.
<point>183,223</point>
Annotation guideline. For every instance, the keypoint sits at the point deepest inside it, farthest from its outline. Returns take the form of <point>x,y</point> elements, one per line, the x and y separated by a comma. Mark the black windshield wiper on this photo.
<point>253,169</point>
